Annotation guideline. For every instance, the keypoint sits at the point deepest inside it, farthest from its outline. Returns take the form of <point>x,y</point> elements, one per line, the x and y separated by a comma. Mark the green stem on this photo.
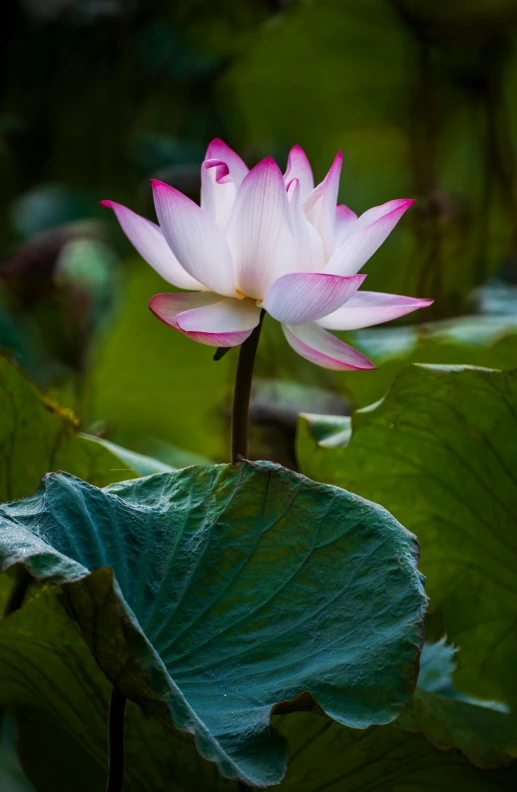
<point>242,393</point>
<point>18,592</point>
<point>116,741</point>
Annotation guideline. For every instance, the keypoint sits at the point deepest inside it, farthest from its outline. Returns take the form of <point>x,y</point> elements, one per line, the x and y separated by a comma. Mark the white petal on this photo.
<point>345,220</point>
<point>167,306</point>
<point>195,239</point>
<point>301,297</point>
<point>366,236</point>
<point>214,322</point>
<point>309,256</point>
<point>218,150</point>
<point>324,349</point>
<point>218,191</point>
<point>298,167</point>
<point>320,206</point>
<point>384,210</point>
<point>365,308</point>
<point>148,240</point>
<point>260,232</point>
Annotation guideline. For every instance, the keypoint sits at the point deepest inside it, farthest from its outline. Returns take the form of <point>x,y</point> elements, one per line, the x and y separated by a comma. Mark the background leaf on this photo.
<point>51,683</point>
<point>487,737</point>
<point>439,452</point>
<point>327,756</point>
<point>484,731</point>
<point>489,341</point>
<point>140,358</point>
<point>56,666</point>
<point>37,436</point>
<point>12,778</point>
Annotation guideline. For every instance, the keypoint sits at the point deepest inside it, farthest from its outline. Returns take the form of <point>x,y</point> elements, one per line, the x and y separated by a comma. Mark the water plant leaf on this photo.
<point>439,452</point>
<point>51,682</point>
<point>484,731</point>
<point>37,436</point>
<point>330,757</point>
<point>489,341</point>
<point>486,736</point>
<point>11,775</point>
<point>437,668</point>
<point>213,595</point>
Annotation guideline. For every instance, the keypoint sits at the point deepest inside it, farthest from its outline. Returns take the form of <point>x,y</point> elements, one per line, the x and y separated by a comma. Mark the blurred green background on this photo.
<point>97,96</point>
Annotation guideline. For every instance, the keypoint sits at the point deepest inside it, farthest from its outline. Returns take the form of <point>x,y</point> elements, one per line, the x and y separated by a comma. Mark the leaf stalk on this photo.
<point>116,741</point>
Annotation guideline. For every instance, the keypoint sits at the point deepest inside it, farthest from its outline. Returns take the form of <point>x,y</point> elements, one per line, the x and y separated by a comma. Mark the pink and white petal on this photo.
<point>366,237</point>
<point>219,150</point>
<point>218,191</point>
<point>222,324</point>
<point>195,239</point>
<point>309,256</point>
<point>260,233</point>
<point>302,297</point>
<point>345,220</point>
<point>299,167</point>
<point>378,212</point>
<point>148,240</point>
<point>319,347</point>
<point>206,318</point>
<point>167,306</point>
<point>320,205</point>
<point>365,308</point>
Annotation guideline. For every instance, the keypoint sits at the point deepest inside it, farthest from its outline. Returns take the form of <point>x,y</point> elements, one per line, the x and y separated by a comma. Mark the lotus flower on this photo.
<point>263,240</point>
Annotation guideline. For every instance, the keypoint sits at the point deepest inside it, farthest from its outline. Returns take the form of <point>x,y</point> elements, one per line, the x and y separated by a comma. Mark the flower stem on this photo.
<point>18,592</point>
<point>242,393</point>
<point>116,741</point>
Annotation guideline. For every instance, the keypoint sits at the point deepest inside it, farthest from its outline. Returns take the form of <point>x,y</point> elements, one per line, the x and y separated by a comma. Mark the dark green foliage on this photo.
<point>439,451</point>
<point>37,436</point>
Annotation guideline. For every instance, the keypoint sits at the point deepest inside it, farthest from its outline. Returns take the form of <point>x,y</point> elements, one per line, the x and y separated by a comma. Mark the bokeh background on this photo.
<point>97,96</point>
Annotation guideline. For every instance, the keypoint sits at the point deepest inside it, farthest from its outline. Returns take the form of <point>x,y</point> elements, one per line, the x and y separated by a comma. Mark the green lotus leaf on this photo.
<point>437,667</point>
<point>327,756</point>
<point>50,681</point>
<point>484,731</point>
<point>37,436</point>
<point>210,595</point>
<point>141,464</point>
<point>474,340</point>
<point>486,736</point>
<point>439,452</point>
<point>11,776</point>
